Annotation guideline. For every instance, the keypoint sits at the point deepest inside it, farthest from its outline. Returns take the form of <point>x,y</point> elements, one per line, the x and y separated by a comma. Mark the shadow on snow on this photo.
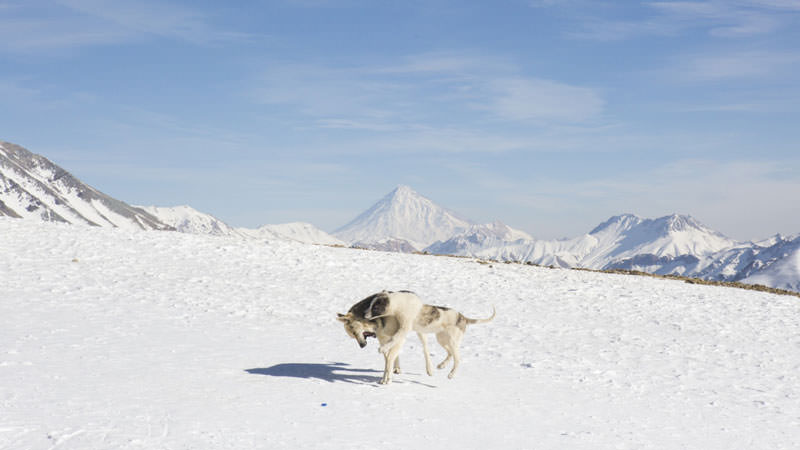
<point>329,372</point>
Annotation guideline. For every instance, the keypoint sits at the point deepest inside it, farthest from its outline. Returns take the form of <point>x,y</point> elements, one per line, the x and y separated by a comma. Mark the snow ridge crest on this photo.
<point>32,187</point>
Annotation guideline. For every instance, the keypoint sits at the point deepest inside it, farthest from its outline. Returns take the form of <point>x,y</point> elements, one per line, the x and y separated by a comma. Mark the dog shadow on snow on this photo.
<point>329,372</point>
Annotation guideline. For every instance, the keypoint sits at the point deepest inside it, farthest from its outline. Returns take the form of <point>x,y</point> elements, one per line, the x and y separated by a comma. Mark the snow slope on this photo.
<point>112,339</point>
<point>777,265</point>
<point>403,215</point>
<point>33,188</point>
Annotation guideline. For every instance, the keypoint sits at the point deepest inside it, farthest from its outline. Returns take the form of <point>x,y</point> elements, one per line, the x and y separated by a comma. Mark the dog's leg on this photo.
<point>455,342</point>
<point>387,370</point>
<point>397,364</point>
<point>388,365</point>
<point>456,360</point>
<point>444,340</point>
<point>427,355</point>
<point>391,356</point>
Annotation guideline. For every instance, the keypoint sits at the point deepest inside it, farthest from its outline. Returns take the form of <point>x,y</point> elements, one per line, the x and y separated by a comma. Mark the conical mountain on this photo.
<point>403,215</point>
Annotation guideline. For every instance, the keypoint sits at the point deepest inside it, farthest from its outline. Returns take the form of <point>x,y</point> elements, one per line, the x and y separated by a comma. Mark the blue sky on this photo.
<point>549,115</point>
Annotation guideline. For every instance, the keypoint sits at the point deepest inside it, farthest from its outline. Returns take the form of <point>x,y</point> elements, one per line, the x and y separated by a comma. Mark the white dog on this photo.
<point>390,316</point>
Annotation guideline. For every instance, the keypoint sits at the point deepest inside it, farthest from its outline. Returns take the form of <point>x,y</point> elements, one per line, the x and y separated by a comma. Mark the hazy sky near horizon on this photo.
<point>548,115</point>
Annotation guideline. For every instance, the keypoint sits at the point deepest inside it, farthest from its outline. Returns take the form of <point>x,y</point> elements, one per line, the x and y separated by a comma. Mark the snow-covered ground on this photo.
<point>159,340</point>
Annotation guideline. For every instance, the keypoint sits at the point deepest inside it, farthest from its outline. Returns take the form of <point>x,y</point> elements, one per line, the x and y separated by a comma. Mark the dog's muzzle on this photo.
<point>366,334</point>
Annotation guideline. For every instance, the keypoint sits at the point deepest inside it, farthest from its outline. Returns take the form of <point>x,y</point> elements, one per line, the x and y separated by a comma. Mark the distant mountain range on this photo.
<point>33,188</point>
<point>675,244</point>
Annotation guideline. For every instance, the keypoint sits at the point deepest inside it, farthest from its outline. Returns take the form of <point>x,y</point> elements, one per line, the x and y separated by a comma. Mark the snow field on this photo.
<point>118,339</point>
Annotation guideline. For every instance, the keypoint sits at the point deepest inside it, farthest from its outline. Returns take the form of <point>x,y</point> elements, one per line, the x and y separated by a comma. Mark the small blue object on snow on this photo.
<point>324,404</point>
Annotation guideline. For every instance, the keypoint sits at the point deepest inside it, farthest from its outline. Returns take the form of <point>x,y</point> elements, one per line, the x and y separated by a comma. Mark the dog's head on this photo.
<point>358,329</point>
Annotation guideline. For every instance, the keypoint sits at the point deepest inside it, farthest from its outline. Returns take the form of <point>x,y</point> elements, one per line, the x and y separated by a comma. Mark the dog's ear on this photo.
<point>341,317</point>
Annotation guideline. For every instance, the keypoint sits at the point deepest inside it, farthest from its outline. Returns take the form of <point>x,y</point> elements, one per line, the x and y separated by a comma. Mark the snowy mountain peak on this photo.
<point>678,223</point>
<point>403,197</point>
<point>403,214</point>
<point>34,188</point>
<point>402,192</point>
<point>617,224</point>
<point>669,236</point>
<point>632,226</point>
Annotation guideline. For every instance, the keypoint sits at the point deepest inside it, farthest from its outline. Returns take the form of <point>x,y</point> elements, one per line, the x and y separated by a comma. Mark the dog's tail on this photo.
<point>488,319</point>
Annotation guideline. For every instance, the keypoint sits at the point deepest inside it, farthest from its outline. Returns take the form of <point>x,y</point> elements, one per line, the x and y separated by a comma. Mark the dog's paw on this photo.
<point>396,370</point>
<point>451,375</point>
<point>440,366</point>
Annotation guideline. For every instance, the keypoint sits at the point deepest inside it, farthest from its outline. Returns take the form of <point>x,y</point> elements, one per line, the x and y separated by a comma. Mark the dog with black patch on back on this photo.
<point>390,316</point>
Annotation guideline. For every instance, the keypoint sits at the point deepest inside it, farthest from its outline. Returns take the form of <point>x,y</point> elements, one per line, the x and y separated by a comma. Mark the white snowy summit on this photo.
<point>33,188</point>
<point>403,215</point>
<point>631,242</point>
